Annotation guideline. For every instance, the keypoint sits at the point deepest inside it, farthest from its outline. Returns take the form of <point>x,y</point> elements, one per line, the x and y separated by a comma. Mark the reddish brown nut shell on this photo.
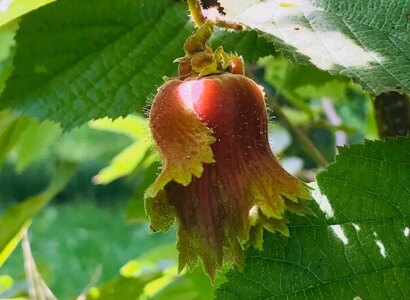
<point>220,179</point>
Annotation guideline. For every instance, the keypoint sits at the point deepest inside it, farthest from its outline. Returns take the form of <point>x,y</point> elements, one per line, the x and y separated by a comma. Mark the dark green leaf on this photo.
<point>81,60</point>
<point>359,246</point>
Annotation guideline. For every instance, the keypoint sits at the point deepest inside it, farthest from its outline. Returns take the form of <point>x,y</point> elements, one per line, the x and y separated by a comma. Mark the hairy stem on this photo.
<point>196,12</point>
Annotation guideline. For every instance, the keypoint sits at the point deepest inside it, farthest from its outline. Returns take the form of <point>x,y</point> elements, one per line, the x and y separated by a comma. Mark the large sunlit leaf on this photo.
<point>81,60</point>
<point>19,216</point>
<point>358,245</point>
<point>367,40</point>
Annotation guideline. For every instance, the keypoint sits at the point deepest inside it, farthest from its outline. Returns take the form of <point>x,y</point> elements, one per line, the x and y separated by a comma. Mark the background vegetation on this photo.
<point>70,69</point>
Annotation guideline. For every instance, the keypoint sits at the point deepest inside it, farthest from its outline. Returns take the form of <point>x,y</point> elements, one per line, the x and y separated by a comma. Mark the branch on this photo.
<point>304,140</point>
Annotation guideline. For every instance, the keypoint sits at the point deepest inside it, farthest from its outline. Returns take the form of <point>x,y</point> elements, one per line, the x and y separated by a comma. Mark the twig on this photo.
<point>93,281</point>
<point>37,288</point>
<point>306,143</point>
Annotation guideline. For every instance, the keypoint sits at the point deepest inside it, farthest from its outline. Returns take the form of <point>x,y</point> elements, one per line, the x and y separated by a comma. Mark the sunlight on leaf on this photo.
<point>131,157</point>
<point>34,142</point>
<point>357,245</point>
<point>12,9</point>
<point>6,282</point>
<point>366,40</point>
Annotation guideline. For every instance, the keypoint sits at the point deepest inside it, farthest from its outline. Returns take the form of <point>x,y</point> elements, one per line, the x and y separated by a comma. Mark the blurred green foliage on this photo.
<point>99,219</point>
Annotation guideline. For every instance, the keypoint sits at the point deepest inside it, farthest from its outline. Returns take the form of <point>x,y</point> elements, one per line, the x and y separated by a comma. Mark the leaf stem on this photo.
<point>196,12</point>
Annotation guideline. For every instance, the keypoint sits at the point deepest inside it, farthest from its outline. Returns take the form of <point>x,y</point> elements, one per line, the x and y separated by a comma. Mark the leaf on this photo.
<point>142,179</point>
<point>120,288</point>
<point>82,60</point>
<point>357,246</point>
<point>247,43</point>
<point>11,130</point>
<point>19,216</point>
<point>194,285</point>
<point>367,40</point>
<point>12,9</point>
<point>28,137</point>
<point>7,34</point>
<point>34,141</point>
<point>136,274</point>
<point>301,82</point>
<point>132,156</point>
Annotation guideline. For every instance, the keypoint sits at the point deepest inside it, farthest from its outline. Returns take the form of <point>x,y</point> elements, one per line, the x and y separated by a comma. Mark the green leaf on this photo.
<point>246,43</point>
<point>7,34</point>
<point>132,156</point>
<point>19,216</point>
<point>28,137</point>
<point>194,285</point>
<point>11,130</point>
<point>18,8</point>
<point>142,178</point>
<point>367,40</point>
<point>357,246</point>
<point>81,60</point>
<point>136,274</point>
<point>34,141</point>
<point>120,288</point>
<point>299,83</point>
